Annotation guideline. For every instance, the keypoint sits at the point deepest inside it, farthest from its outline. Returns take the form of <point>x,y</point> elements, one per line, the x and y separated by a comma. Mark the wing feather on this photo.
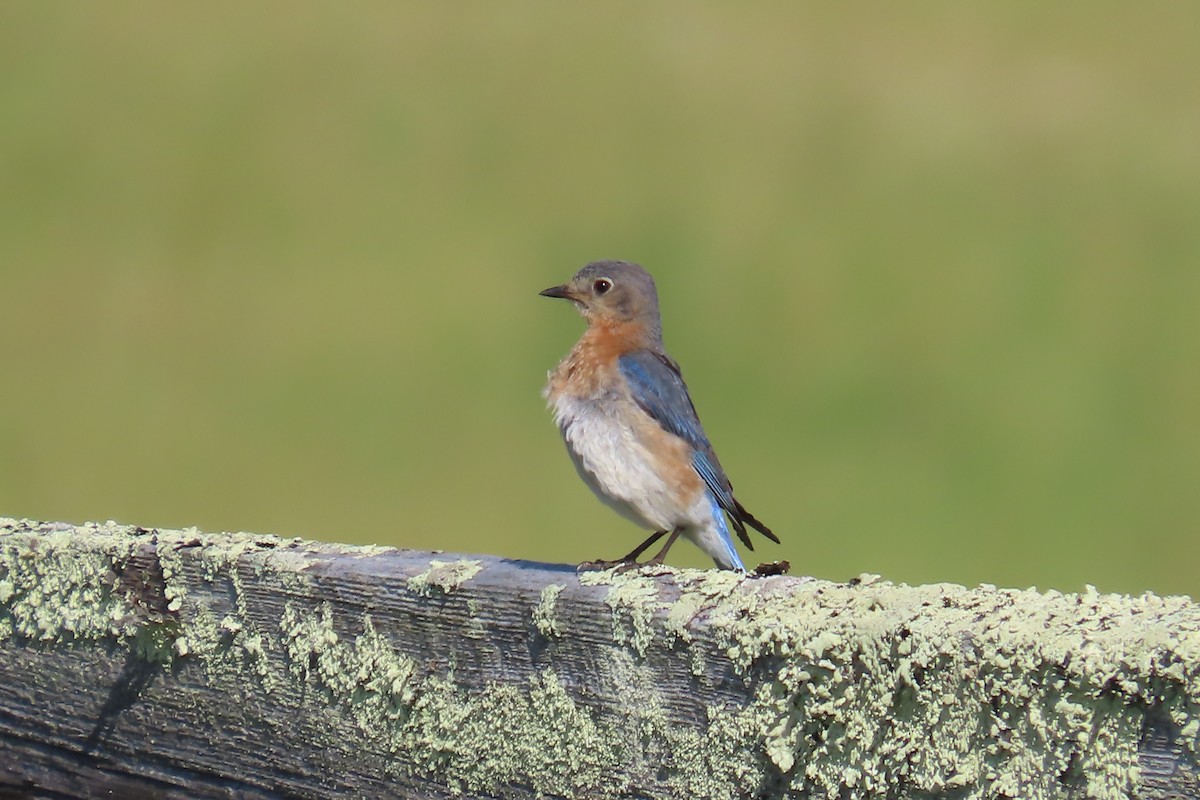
<point>658,388</point>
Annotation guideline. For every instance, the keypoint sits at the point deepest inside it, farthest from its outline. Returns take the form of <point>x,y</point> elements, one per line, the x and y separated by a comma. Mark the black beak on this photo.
<point>558,291</point>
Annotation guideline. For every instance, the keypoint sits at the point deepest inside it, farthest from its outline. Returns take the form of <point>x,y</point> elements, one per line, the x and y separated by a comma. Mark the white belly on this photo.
<point>616,466</point>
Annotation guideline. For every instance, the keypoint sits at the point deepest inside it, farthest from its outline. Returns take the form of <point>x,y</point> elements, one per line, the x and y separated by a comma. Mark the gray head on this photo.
<point>613,291</point>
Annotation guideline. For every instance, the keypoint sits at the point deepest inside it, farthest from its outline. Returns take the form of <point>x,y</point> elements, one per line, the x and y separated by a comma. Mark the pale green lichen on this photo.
<point>54,591</point>
<point>939,688</point>
<point>851,691</point>
<point>474,740</point>
<point>634,601</point>
<point>506,734</point>
<point>444,576</point>
<point>172,569</point>
<point>701,589</point>
<point>233,645</point>
<point>366,675</point>
<point>65,586</point>
<point>543,613</point>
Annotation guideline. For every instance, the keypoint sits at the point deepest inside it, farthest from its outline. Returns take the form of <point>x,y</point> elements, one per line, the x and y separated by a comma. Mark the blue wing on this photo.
<point>658,388</point>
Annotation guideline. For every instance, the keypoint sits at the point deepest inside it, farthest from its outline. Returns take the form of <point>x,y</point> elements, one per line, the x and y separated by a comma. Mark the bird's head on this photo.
<point>612,292</point>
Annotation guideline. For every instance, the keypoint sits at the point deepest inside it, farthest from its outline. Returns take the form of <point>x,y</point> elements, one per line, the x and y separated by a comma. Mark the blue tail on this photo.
<point>725,555</point>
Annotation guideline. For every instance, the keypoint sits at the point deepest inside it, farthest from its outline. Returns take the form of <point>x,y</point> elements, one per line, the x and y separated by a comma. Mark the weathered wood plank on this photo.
<point>143,663</point>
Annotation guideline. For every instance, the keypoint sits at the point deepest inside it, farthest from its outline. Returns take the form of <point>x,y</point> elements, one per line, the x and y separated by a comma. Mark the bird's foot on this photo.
<point>630,560</point>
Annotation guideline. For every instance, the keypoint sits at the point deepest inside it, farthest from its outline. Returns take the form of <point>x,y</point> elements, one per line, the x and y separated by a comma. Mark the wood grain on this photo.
<point>148,663</point>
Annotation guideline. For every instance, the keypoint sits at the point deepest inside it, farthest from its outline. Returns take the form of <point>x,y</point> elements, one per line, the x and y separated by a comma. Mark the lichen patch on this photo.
<point>444,577</point>
<point>475,741</point>
<point>819,689</point>
<point>51,590</point>
<point>544,618</point>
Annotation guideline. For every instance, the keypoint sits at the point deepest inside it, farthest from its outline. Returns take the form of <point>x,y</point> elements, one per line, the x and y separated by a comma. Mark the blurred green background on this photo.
<point>932,272</point>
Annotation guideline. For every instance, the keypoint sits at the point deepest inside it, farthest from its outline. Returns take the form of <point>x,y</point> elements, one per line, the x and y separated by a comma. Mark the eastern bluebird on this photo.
<point>629,424</point>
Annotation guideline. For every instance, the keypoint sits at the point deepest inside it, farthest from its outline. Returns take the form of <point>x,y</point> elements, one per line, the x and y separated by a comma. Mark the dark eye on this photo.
<point>602,285</point>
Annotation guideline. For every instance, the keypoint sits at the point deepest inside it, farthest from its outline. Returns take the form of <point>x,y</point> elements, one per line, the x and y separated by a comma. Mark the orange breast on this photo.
<point>591,365</point>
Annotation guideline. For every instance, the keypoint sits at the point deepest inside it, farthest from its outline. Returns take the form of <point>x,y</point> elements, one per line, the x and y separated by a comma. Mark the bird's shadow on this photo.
<point>137,675</point>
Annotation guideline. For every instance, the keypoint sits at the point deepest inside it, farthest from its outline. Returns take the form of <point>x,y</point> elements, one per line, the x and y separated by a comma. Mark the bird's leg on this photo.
<point>627,560</point>
<point>662,554</point>
<point>641,548</point>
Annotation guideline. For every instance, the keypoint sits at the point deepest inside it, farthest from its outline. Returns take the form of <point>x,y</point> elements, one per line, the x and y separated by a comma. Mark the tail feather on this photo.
<point>749,519</point>
<point>716,541</point>
<point>739,528</point>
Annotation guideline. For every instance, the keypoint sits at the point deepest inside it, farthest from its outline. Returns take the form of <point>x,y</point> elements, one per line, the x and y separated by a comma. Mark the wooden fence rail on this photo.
<point>180,664</point>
